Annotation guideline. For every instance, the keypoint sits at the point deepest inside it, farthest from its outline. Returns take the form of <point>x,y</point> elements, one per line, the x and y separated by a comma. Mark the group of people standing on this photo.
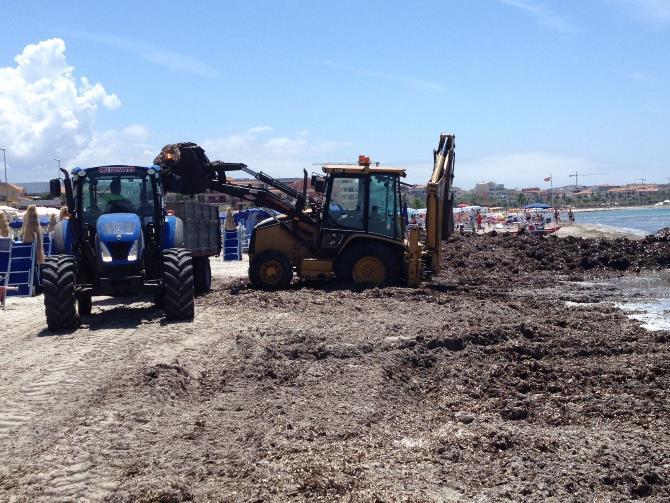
<point>31,230</point>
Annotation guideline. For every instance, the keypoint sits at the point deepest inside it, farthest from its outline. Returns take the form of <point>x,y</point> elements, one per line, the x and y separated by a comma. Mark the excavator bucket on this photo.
<point>185,168</point>
<point>439,201</point>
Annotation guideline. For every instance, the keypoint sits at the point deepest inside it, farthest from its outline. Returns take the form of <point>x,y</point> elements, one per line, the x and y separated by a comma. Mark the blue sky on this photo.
<point>528,87</point>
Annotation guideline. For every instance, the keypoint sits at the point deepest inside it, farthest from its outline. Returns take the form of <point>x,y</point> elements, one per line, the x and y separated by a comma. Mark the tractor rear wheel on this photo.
<point>59,281</point>
<point>368,264</point>
<point>270,270</point>
<point>178,284</point>
<point>202,271</point>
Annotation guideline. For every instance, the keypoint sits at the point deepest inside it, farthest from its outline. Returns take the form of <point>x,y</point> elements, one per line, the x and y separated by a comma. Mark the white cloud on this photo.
<point>281,156</point>
<point>542,14</point>
<point>522,169</point>
<point>655,11</point>
<point>413,82</point>
<point>136,132</point>
<point>46,112</point>
<point>166,58</point>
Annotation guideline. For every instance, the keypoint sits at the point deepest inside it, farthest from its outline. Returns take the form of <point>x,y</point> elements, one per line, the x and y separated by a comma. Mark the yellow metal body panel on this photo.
<point>437,191</point>
<point>413,260</point>
<point>315,269</point>
<point>276,237</point>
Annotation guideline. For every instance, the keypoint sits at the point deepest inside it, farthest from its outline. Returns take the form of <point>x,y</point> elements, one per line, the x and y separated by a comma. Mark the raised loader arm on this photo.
<point>187,170</point>
<point>439,202</point>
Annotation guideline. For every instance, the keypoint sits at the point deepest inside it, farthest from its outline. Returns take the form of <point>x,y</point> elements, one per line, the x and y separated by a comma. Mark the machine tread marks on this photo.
<point>202,271</point>
<point>59,279</point>
<point>391,262</point>
<point>178,284</point>
<point>270,270</point>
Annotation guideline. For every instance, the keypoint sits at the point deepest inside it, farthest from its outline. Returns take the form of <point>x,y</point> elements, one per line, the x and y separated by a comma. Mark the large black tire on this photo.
<point>369,264</point>
<point>178,284</point>
<point>85,304</point>
<point>270,270</point>
<point>59,280</point>
<point>202,271</point>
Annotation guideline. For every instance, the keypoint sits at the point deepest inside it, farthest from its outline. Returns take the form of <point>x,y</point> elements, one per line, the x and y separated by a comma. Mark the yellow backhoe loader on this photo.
<point>353,232</point>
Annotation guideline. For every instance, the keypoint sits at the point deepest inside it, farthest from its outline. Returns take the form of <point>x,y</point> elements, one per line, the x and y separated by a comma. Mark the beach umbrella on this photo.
<point>537,206</point>
<point>461,205</point>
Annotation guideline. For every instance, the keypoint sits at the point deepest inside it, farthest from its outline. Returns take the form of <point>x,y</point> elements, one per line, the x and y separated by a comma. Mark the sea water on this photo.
<point>640,221</point>
<point>647,299</point>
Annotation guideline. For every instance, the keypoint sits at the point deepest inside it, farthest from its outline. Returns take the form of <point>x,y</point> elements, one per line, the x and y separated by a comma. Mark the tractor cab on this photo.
<point>117,189</point>
<point>116,226</point>
<point>362,199</point>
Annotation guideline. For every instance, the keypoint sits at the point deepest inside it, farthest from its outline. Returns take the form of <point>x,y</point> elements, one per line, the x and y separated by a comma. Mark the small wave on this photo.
<point>611,229</point>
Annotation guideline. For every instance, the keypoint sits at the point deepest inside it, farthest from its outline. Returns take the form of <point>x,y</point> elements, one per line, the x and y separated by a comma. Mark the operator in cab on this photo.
<point>115,201</point>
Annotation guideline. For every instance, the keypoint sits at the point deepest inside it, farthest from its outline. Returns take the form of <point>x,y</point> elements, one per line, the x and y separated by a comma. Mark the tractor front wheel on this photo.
<point>178,284</point>
<point>270,270</point>
<point>59,281</point>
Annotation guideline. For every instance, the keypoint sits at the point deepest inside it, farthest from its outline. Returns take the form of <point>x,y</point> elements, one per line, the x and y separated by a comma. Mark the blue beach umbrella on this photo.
<point>537,206</point>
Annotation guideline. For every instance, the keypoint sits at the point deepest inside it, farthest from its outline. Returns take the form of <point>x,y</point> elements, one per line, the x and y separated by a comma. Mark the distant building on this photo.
<point>10,194</point>
<point>417,191</point>
<point>24,202</point>
<point>533,194</point>
<point>490,191</point>
<point>35,188</point>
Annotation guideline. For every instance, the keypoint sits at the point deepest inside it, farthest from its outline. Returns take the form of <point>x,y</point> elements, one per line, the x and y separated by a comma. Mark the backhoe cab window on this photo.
<point>117,194</point>
<point>385,214</point>
<point>347,199</point>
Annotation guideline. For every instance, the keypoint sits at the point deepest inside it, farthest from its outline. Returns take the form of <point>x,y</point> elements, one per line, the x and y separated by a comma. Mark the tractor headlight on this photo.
<point>104,251</point>
<point>134,251</point>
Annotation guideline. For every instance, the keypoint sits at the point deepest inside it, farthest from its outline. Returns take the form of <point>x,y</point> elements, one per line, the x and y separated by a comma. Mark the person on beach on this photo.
<point>63,214</point>
<point>4,226</point>
<point>571,216</point>
<point>32,231</point>
<point>557,216</point>
<point>479,220</point>
<point>52,223</point>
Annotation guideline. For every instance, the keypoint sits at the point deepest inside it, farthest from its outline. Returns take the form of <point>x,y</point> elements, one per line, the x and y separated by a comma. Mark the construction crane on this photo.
<point>576,176</point>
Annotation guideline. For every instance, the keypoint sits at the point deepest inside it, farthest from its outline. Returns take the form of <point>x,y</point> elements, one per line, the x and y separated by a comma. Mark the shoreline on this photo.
<point>617,208</point>
<point>578,231</point>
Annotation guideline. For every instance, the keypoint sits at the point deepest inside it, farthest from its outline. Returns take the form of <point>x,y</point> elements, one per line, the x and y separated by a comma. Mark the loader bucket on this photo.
<point>184,168</point>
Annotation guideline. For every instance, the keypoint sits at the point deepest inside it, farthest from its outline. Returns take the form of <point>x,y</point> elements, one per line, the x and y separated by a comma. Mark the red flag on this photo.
<point>548,179</point>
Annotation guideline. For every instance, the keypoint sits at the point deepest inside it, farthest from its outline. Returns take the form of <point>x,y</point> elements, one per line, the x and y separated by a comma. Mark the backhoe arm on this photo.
<point>439,202</point>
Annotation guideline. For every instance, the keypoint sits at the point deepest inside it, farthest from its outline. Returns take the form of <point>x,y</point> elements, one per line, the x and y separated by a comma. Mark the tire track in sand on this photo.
<point>46,384</point>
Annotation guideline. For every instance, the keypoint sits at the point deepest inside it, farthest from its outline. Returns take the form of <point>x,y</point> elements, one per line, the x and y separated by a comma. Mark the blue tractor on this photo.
<point>119,240</point>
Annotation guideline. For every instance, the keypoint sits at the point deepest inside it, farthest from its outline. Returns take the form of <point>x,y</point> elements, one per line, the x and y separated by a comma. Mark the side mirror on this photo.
<point>318,184</point>
<point>54,188</point>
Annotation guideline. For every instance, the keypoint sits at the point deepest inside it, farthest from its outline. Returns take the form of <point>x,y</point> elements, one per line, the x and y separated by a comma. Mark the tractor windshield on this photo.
<point>131,192</point>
